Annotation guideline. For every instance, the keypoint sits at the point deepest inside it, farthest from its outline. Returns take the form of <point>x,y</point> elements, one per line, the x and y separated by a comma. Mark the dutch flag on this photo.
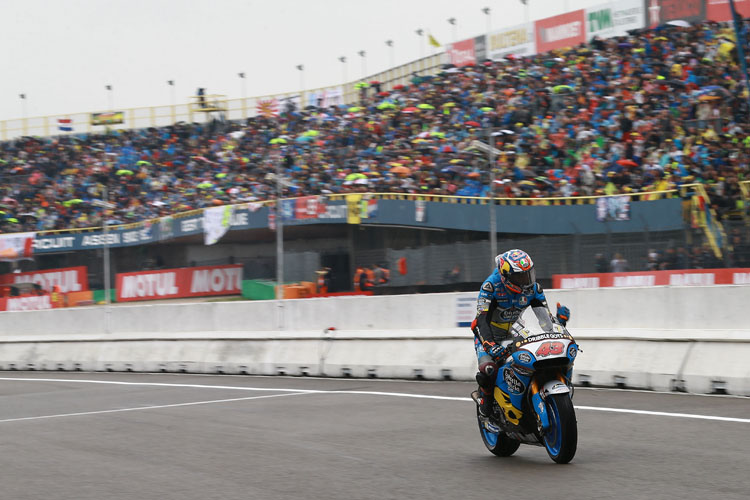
<point>65,124</point>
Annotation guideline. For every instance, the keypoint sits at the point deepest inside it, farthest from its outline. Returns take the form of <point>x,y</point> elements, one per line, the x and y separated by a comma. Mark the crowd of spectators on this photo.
<point>645,112</point>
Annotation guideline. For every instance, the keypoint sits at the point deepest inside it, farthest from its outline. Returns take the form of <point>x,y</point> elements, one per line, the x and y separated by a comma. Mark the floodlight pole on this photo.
<point>279,246</point>
<point>493,220</point>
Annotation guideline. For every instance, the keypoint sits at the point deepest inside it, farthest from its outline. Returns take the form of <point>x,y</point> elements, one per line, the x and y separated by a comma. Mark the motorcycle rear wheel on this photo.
<point>561,440</point>
<point>499,444</point>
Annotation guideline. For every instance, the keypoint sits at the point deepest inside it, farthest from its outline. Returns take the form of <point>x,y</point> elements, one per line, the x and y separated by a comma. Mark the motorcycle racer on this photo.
<point>503,297</point>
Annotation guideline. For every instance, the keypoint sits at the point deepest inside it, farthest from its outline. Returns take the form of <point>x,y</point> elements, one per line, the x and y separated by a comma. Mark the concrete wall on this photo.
<point>663,338</point>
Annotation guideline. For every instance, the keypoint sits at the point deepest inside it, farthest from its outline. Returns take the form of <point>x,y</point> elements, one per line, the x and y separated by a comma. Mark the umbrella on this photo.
<point>627,163</point>
<point>679,22</point>
<point>220,176</point>
<point>441,135</point>
<point>400,170</point>
<point>486,109</point>
<point>410,109</point>
<point>561,88</point>
<point>304,138</point>
<point>361,85</point>
<point>709,98</point>
<point>456,169</point>
<point>425,106</point>
<point>204,185</point>
<point>277,140</point>
<point>354,109</point>
<point>74,201</point>
<point>473,175</point>
<point>383,93</point>
<point>355,176</point>
<point>449,104</point>
<point>12,219</point>
<point>472,123</point>
<point>124,171</point>
<point>386,105</point>
<point>374,82</point>
<point>398,87</point>
<point>311,133</point>
<point>143,162</point>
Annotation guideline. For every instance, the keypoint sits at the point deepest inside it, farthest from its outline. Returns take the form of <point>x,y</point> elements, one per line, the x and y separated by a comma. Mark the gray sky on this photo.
<point>62,53</point>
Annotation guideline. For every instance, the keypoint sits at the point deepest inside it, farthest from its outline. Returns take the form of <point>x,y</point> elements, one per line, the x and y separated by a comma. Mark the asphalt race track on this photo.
<point>169,436</point>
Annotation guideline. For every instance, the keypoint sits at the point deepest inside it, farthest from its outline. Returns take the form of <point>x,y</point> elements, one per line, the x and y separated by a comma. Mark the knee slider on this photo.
<point>486,375</point>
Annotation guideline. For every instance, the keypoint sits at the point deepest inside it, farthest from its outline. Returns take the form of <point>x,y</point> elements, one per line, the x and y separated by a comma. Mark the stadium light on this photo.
<point>452,22</point>
<point>109,97</point>
<point>420,33</point>
<point>487,12</point>
<point>389,43</point>
<point>343,69</point>
<point>363,54</point>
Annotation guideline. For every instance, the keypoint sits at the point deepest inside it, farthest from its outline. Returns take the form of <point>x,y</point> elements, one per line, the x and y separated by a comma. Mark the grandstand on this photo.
<point>617,139</point>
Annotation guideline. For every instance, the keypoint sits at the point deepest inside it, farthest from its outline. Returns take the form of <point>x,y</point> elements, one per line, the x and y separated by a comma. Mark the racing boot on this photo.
<point>485,403</point>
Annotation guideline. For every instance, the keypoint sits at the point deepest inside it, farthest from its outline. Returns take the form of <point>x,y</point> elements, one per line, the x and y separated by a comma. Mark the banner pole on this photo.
<point>107,281</point>
<point>279,246</point>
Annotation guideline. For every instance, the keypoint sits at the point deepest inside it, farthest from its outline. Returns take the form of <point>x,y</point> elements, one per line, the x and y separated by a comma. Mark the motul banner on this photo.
<point>683,277</point>
<point>181,282</point>
<point>558,32</point>
<point>26,303</point>
<point>718,10</point>
<point>462,53</point>
<point>659,12</point>
<point>69,279</point>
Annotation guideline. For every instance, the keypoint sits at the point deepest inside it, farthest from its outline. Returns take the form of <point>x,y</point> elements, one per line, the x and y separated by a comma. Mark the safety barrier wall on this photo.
<point>662,338</point>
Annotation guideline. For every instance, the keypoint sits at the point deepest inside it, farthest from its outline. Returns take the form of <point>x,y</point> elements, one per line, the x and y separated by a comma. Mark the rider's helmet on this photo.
<point>516,271</point>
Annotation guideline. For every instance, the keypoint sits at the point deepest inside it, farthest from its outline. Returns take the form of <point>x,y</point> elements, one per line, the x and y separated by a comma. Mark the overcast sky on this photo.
<point>62,53</point>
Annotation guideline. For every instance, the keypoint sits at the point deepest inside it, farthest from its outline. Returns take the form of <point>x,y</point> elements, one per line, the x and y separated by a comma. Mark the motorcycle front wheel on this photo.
<point>498,443</point>
<point>561,440</point>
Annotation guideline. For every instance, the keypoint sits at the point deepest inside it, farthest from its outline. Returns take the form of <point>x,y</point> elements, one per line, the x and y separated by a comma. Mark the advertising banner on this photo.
<point>518,40</point>
<point>718,10</point>
<point>659,12</point>
<point>480,48</point>
<point>27,303</point>
<point>683,277</point>
<point>216,222</point>
<point>16,246</point>
<point>558,32</point>
<point>181,282</point>
<point>69,279</point>
<point>614,18</point>
<point>461,53</point>
<point>110,118</point>
<point>610,208</point>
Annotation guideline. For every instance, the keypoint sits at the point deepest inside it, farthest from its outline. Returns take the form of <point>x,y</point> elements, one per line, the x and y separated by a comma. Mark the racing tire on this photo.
<point>561,440</point>
<point>499,444</point>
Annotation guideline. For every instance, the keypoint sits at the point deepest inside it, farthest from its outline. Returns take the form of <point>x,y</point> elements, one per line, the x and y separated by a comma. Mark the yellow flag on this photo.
<point>433,42</point>
<point>353,208</point>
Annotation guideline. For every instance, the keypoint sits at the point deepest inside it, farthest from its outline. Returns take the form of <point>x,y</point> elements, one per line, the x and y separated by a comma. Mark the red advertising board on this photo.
<point>718,10</point>
<point>69,279</point>
<point>565,30</point>
<point>462,53</point>
<point>662,11</point>
<point>26,303</point>
<point>181,282</point>
<point>683,277</point>
<point>307,207</point>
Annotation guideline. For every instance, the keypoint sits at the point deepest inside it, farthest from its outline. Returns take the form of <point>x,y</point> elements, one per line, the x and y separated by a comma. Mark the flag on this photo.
<point>65,124</point>
<point>268,107</point>
<point>433,42</point>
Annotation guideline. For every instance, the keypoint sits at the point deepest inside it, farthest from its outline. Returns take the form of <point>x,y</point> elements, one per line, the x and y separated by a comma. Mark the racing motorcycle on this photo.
<point>533,396</point>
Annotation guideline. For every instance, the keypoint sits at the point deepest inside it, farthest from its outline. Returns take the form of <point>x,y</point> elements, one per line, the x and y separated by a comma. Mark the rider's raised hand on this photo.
<point>563,314</point>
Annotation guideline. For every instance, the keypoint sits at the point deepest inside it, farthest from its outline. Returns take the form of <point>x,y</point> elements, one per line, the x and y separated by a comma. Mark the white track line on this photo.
<point>140,408</point>
<point>297,392</point>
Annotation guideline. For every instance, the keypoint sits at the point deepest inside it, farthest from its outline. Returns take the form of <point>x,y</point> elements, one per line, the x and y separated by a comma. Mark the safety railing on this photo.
<point>232,109</point>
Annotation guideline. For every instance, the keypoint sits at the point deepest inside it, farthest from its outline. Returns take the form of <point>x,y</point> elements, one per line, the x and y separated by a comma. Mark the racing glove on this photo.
<point>563,314</point>
<point>497,352</point>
